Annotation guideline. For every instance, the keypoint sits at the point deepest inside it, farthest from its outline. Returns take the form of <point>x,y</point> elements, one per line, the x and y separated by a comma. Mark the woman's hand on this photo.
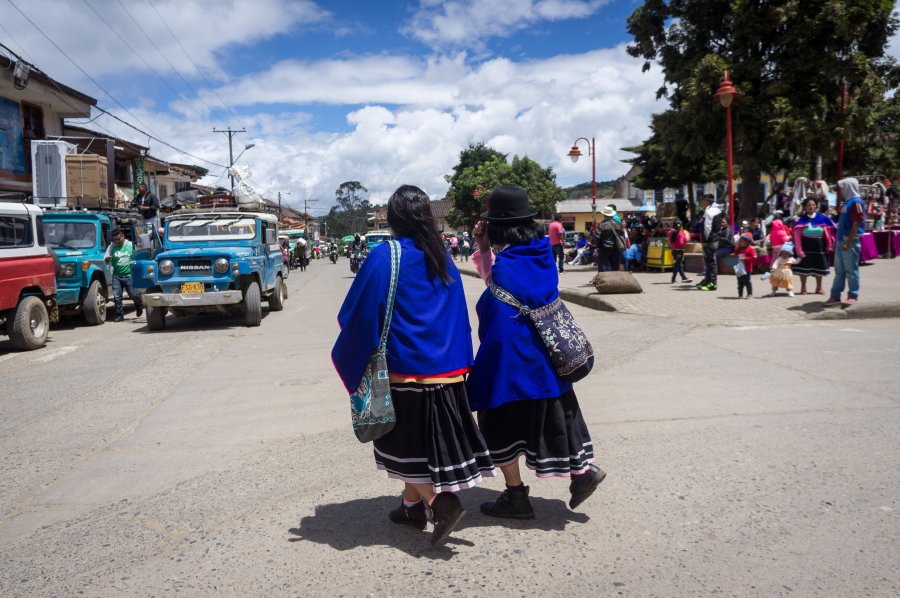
<point>480,234</point>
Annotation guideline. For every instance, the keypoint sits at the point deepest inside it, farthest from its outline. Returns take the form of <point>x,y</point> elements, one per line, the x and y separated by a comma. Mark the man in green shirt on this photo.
<point>119,253</point>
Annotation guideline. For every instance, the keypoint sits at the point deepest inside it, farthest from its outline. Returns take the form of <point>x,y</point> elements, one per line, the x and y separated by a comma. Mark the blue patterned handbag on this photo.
<point>569,349</point>
<point>371,406</point>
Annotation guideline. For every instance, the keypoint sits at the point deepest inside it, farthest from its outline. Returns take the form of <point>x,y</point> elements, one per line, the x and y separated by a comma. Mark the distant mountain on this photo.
<point>604,189</point>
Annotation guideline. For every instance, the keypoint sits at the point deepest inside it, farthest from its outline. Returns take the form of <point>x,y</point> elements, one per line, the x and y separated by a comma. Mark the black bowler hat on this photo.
<point>508,205</point>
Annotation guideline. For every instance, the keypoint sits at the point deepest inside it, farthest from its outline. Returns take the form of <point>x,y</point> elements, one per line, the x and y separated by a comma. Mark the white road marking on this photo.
<point>54,353</point>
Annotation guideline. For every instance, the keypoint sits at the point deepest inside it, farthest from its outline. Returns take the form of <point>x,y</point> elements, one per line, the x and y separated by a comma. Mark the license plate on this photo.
<point>192,287</point>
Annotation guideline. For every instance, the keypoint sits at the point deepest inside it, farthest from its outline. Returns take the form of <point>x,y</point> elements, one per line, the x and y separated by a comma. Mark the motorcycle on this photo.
<point>356,258</point>
<point>333,254</point>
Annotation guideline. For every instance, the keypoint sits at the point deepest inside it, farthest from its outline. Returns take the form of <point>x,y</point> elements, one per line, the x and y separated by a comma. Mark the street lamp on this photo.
<point>575,153</point>
<point>725,95</point>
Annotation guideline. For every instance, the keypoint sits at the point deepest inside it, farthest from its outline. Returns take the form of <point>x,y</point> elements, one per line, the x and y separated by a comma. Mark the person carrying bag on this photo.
<point>419,322</point>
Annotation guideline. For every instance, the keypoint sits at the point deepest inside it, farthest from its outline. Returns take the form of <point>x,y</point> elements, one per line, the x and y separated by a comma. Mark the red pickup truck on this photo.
<point>27,277</point>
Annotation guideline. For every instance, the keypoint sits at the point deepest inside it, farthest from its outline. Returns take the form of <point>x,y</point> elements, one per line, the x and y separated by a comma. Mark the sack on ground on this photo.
<point>616,283</point>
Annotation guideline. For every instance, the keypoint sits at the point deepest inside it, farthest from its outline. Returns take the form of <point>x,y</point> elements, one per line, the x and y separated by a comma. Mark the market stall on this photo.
<point>868,250</point>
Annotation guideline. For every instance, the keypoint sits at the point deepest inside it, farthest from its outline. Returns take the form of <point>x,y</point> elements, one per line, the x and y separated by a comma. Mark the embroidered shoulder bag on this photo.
<point>371,406</point>
<point>570,351</point>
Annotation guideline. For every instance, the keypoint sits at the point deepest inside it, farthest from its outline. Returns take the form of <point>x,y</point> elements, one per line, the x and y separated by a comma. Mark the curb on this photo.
<point>882,309</point>
<point>589,300</point>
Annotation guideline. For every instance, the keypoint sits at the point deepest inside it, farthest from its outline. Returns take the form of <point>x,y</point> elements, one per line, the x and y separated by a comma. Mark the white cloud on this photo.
<point>418,114</point>
<point>204,27</point>
<point>469,22</point>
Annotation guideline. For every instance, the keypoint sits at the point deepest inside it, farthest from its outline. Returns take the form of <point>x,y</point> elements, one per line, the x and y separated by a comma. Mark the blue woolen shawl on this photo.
<point>430,334</point>
<point>512,363</point>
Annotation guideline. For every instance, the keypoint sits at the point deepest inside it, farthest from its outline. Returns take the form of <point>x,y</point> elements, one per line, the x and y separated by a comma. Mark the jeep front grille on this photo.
<point>195,267</point>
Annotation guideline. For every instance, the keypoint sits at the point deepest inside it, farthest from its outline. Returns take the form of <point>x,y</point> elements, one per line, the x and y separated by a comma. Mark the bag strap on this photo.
<point>392,294</point>
<point>506,297</point>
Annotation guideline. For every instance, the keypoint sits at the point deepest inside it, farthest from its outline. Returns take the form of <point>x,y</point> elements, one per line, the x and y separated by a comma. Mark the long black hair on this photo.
<point>409,215</point>
<point>519,233</point>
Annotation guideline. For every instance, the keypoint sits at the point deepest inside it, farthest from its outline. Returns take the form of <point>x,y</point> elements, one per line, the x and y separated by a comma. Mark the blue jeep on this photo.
<point>225,261</point>
<point>79,239</point>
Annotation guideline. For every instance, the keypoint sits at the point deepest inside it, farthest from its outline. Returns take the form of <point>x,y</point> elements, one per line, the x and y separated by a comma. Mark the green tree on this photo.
<point>786,58</point>
<point>465,204</point>
<point>539,182</point>
<point>350,214</point>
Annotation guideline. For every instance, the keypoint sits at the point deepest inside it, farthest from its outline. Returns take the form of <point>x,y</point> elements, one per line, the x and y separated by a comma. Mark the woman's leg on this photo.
<point>512,474</point>
<point>803,278</point>
<point>819,290</point>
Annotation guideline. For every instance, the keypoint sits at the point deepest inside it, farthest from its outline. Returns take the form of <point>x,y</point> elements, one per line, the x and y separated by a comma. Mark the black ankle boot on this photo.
<point>582,486</point>
<point>512,504</point>
<point>446,511</point>
<point>413,516</point>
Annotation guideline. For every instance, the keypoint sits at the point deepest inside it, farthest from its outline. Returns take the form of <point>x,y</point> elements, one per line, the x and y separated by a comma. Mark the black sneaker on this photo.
<point>139,312</point>
<point>413,516</point>
<point>582,486</point>
<point>446,511</point>
<point>119,319</point>
<point>512,504</point>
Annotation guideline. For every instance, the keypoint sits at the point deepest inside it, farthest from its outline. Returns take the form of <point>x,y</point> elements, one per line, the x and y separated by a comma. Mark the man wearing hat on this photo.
<point>709,236</point>
<point>609,239</point>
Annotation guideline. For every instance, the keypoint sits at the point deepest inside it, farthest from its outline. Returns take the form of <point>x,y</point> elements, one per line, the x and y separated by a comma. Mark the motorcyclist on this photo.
<point>358,244</point>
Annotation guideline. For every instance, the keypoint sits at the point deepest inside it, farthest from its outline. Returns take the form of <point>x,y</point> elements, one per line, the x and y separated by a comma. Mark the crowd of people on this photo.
<point>796,237</point>
<point>525,408</point>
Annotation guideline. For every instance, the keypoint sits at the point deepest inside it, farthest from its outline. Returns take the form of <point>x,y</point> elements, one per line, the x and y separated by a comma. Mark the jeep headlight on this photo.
<point>166,267</point>
<point>221,265</point>
<point>67,270</point>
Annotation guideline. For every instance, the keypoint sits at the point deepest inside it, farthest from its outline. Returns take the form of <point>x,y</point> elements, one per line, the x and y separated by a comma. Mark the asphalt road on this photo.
<point>214,459</point>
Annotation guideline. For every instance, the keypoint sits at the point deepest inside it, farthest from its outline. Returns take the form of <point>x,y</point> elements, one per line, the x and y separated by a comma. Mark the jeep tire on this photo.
<point>156,318</point>
<point>31,324</point>
<point>252,305</point>
<point>95,304</point>
<point>276,299</point>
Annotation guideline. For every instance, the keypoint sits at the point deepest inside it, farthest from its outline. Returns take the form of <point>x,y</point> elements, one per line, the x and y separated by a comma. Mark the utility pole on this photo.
<point>306,216</point>
<point>231,133</point>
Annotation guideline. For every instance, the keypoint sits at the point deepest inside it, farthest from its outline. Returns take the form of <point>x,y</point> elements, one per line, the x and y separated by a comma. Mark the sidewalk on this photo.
<point>879,297</point>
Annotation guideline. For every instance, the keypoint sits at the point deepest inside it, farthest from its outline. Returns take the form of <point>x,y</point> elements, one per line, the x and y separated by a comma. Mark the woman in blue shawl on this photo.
<point>524,407</point>
<point>435,447</point>
<point>814,240</point>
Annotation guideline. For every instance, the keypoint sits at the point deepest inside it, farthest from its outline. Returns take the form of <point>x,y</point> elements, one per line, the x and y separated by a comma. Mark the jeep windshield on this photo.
<point>70,235</point>
<point>211,228</point>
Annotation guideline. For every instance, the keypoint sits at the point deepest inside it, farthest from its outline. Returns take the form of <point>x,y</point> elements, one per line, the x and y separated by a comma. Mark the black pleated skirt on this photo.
<point>551,433</point>
<point>435,440</point>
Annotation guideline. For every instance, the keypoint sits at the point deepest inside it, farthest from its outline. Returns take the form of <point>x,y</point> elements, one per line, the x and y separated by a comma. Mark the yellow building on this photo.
<point>575,214</point>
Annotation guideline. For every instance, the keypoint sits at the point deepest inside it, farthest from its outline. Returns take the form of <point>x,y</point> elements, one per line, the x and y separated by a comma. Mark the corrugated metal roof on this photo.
<point>441,207</point>
<point>583,206</point>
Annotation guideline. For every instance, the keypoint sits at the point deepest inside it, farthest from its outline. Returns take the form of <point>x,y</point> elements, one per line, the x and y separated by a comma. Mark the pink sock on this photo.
<point>409,503</point>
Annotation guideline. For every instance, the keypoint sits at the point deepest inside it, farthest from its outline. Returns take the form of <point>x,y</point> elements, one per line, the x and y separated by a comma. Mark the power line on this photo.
<point>64,98</point>
<point>83,72</point>
<point>172,66</point>
<point>196,68</point>
<point>147,64</point>
<point>10,36</point>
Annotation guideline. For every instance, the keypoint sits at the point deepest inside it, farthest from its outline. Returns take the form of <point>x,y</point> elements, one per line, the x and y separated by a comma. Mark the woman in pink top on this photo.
<point>778,235</point>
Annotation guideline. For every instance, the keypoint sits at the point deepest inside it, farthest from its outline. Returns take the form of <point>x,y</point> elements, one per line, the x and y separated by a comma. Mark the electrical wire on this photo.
<point>10,36</point>
<point>64,98</point>
<point>147,64</point>
<point>194,64</point>
<point>78,66</point>
<point>172,66</point>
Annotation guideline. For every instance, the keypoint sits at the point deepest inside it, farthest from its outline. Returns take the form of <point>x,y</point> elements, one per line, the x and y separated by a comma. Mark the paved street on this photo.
<point>213,459</point>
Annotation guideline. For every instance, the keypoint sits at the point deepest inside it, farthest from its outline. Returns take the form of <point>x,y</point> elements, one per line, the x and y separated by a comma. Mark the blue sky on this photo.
<point>386,93</point>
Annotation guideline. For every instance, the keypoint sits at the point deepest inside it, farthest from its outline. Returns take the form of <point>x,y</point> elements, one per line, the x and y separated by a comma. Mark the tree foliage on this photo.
<point>786,58</point>
<point>351,212</point>
<point>539,182</point>
<point>465,204</point>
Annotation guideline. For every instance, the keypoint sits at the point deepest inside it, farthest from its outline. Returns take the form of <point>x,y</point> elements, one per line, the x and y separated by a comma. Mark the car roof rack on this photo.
<point>13,196</point>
